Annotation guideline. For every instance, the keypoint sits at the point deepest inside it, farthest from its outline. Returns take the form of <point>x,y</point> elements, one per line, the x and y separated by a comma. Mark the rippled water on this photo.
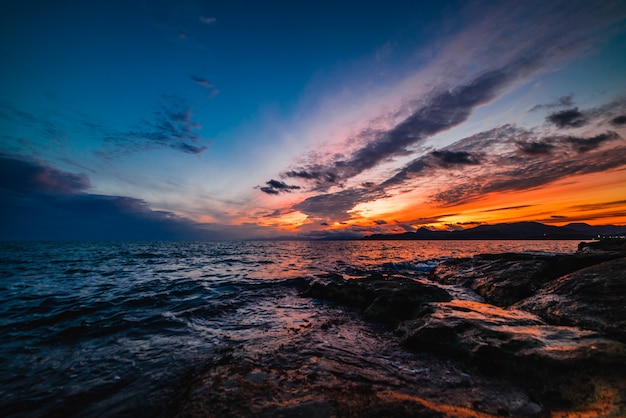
<point>105,329</point>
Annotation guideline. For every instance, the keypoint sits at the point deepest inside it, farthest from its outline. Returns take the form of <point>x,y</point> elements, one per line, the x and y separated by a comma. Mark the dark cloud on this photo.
<point>322,178</point>
<point>380,222</point>
<point>35,177</point>
<point>40,202</point>
<point>587,144</point>
<point>565,101</point>
<point>536,147</point>
<point>549,145</point>
<point>303,174</point>
<point>619,120</point>
<point>450,158</point>
<point>276,187</point>
<point>569,118</point>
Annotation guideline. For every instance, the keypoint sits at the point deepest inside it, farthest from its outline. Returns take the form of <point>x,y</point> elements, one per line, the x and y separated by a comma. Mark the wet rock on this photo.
<point>351,372</point>
<point>604,244</point>
<point>382,298</point>
<point>501,337</point>
<point>504,279</point>
<point>553,324</point>
<point>593,298</point>
<point>564,366</point>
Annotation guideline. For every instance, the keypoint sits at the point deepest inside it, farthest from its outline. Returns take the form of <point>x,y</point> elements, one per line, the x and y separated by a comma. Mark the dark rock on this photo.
<point>567,361</point>
<point>604,244</point>
<point>553,324</point>
<point>593,298</point>
<point>504,279</point>
<point>382,298</point>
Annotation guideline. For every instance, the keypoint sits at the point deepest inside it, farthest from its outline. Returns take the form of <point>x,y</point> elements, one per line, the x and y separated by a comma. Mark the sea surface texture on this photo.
<point>111,329</point>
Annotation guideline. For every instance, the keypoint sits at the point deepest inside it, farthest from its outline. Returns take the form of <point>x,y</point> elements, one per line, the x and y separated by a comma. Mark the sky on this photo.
<point>193,119</point>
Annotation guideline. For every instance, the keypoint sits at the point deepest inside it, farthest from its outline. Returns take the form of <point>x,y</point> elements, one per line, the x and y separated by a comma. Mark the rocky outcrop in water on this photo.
<point>593,298</point>
<point>551,323</point>
<point>504,279</point>
<point>381,297</point>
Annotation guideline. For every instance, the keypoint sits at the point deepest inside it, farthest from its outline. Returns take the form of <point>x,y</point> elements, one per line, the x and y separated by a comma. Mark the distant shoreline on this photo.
<point>511,232</point>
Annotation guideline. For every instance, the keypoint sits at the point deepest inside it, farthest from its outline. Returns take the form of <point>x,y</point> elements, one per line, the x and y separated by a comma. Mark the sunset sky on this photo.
<point>141,119</point>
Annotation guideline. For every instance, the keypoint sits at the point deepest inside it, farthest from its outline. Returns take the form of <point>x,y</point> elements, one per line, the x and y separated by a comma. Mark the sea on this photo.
<point>110,328</point>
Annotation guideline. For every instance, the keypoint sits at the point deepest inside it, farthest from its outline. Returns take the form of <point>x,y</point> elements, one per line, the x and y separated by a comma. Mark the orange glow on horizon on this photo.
<point>592,198</point>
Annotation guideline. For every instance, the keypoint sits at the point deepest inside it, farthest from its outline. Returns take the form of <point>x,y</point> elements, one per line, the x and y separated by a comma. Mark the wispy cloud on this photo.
<point>172,126</point>
<point>565,101</point>
<point>212,90</point>
<point>207,20</point>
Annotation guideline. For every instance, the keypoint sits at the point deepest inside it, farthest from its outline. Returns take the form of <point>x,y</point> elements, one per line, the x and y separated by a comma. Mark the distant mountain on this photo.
<point>511,231</point>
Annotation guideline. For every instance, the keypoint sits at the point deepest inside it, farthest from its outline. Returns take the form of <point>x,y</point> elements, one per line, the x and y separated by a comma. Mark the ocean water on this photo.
<point>108,329</point>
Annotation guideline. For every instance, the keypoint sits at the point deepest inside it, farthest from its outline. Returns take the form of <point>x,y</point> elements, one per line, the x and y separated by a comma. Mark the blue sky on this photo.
<point>239,119</point>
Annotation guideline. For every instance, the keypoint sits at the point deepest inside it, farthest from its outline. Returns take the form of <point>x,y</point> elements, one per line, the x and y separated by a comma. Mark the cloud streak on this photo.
<point>276,187</point>
<point>212,90</point>
<point>172,126</point>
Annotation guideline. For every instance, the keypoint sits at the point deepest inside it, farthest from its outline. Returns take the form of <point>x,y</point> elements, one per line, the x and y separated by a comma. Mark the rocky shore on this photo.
<point>492,335</point>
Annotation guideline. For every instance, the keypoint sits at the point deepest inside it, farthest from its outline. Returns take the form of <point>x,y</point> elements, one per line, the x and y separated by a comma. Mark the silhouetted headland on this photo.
<point>510,231</point>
